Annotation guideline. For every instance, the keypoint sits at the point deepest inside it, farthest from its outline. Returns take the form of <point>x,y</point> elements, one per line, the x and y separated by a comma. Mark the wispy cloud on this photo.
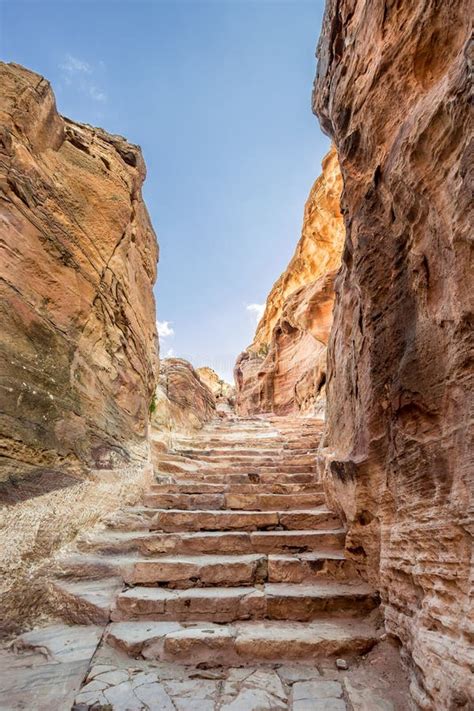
<point>257,310</point>
<point>77,73</point>
<point>164,329</point>
<point>169,353</point>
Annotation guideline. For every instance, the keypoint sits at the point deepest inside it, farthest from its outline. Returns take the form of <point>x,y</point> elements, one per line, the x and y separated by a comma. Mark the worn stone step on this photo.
<point>243,452</point>
<point>154,542</point>
<point>275,468</point>
<point>266,502</point>
<point>182,571</point>
<point>172,520</point>
<point>259,458</point>
<point>185,501</point>
<point>270,601</point>
<point>243,502</point>
<point>84,602</point>
<point>190,486</point>
<point>242,642</point>
<point>220,477</point>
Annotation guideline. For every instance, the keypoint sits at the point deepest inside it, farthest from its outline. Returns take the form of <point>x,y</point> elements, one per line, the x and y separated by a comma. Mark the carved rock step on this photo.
<point>271,601</point>
<point>256,457</point>
<point>191,486</point>
<point>172,520</point>
<point>330,542</point>
<point>243,452</point>
<point>269,641</point>
<point>240,467</point>
<point>185,571</point>
<point>220,477</point>
<point>243,502</point>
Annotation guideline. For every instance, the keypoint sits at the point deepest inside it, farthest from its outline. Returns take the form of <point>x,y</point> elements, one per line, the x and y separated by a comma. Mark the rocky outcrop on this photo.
<point>78,346</point>
<point>392,91</point>
<point>78,341</point>
<point>284,370</point>
<point>222,391</point>
<point>182,402</point>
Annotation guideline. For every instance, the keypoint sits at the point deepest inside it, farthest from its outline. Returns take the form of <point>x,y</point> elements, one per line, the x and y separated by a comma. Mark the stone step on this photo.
<point>242,642</point>
<point>190,486</point>
<point>84,602</point>
<point>150,543</point>
<point>256,457</point>
<point>173,520</point>
<point>242,502</point>
<point>207,570</point>
<point>270,601</point>
<point>240,453</point>
<point>219,477</point>
<point>181,571</point>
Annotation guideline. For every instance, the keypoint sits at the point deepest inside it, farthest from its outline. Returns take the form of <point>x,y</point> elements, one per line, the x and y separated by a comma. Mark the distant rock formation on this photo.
<point>78,343</point>
<point>284,370</point>
<point>392,90</point>
<point>223,392</point>
<point>182,402</point>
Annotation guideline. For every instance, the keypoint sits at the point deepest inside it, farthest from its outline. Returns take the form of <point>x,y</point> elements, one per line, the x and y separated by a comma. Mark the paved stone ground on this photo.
<point>374,683</point>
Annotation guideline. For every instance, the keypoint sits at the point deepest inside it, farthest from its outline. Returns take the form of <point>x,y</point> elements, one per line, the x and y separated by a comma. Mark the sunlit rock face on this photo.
<point>284,370</point>
<point>222,391</point>
<point>78,337</point>
<point>78,346</point>
<point>392,91</point>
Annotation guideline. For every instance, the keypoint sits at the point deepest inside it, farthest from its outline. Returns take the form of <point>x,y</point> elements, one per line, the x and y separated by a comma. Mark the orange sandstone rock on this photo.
<point>284,370</point>
<point>78,261</point>
<point>392,91</point>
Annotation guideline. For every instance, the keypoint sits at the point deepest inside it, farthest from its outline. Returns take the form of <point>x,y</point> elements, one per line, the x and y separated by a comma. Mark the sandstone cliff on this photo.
<point>78,341</point>
<point>284,370</point>
<point>182,403</point>
<point>78,344</point>
<point>392,91</point>
<point>222,391</point>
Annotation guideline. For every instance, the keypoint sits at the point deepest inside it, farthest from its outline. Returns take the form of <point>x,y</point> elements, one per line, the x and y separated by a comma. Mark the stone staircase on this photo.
<point>232,559</point>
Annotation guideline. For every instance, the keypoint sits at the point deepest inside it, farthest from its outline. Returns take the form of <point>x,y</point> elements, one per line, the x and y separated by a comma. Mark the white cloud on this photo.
<point>73,65</point>
<point>169,353</point>
<point>164,329</point>
<point>257,310</point>
<point>78,73</point>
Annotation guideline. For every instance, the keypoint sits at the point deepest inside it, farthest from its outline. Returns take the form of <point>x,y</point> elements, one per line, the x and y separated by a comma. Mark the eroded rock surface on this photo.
<point>284,370</point>
<point>223,392</point>
<point>78,347</point>
<point>392,91</point>
<point>182,402</point>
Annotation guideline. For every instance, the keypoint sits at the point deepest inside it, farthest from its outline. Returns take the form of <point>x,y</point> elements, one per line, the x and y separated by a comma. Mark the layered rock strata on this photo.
<point>284,370</point>
<point>78,345</point>
<point>392,91</point>
<point>222,391</point>
<point>78,339</point>
<point>182,402</point>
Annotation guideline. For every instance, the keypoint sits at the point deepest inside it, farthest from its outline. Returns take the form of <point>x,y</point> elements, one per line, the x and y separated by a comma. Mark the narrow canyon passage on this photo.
<point>300,539</point>
<point>232,566</point>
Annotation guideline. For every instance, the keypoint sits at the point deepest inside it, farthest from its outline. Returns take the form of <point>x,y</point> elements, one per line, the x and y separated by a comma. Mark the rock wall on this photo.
<point>182,402</point>
<point>392,91</point>
<point>284,370</point>
<point>78,344</point>
<point>222,391</point>
<point>78,341</point>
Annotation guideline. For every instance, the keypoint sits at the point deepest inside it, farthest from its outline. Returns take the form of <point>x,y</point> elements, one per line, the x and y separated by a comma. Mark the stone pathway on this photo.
<point>227,590</point>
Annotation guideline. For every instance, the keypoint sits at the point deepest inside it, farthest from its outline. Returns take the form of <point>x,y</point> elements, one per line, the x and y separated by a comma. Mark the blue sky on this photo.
<point>218,96</point>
